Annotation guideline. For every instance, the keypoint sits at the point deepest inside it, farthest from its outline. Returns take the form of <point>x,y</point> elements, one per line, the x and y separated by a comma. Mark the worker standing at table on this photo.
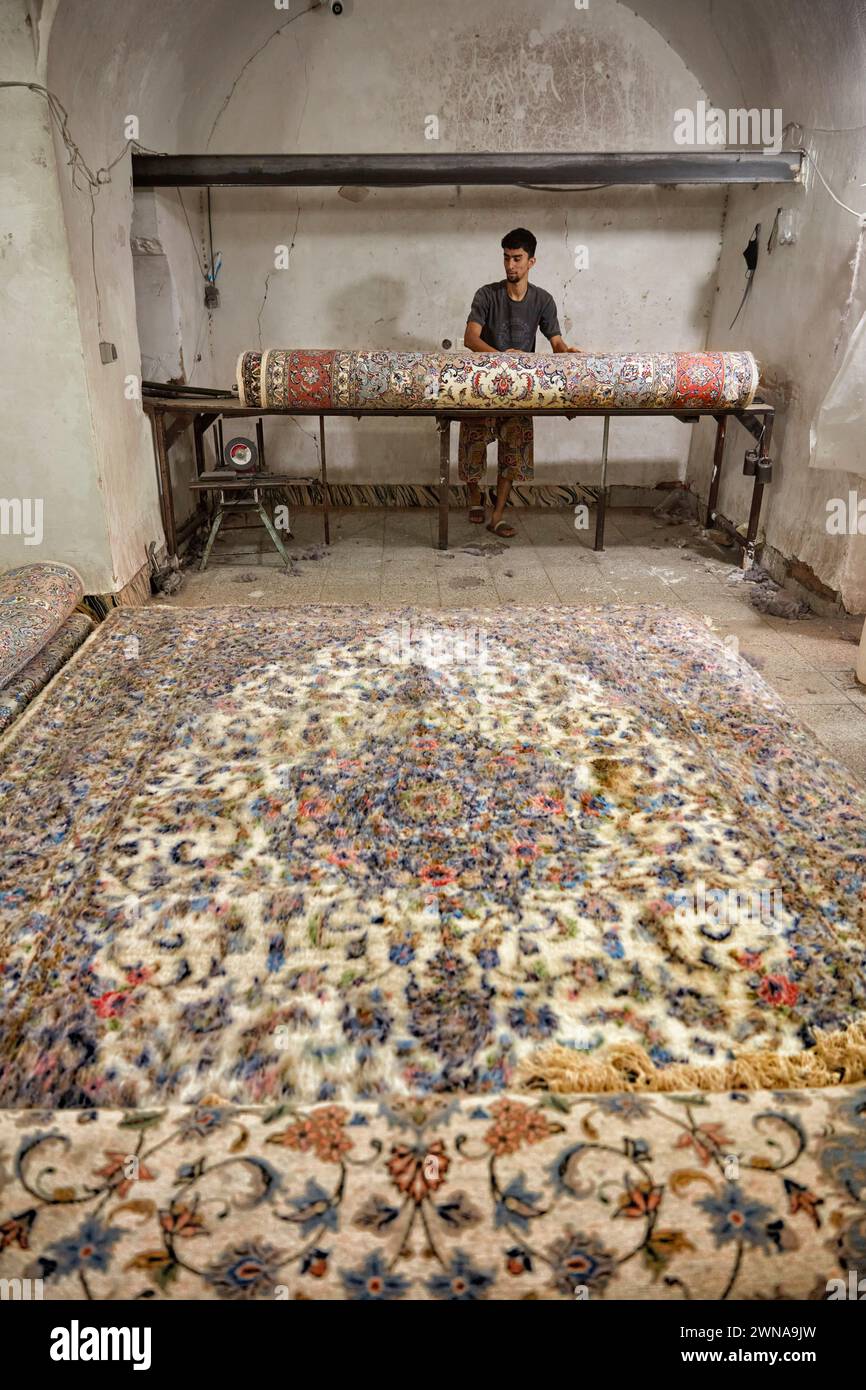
<point>505,317</point>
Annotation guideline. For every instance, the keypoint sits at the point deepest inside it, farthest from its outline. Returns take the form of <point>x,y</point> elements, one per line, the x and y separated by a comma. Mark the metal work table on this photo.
<point>202,412</point>
<point>247,492</point>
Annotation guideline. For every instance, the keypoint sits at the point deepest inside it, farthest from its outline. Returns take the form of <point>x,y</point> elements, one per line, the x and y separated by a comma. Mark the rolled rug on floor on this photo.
<point>333,379</point>
<point>17,693</point>
<point>35,601</point>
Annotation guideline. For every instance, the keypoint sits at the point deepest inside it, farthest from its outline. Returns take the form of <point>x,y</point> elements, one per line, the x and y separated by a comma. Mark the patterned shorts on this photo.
<point>513,435</point>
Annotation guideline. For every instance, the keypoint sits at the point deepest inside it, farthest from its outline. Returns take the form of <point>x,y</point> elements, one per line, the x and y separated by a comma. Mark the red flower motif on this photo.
<point>139,976</point>
<point>802,1199</point>
<point>515,1124</point>
<point>640,1200</point>
<point>778,990</point>
<point>322,1131</point>
<point>417,1173</point>
<point>707,1140</point>
<point>438,874</point>
<point>182,1221</point>
<point>111,1003</point>
<point>117,1164</point>
<point>17,1230</point>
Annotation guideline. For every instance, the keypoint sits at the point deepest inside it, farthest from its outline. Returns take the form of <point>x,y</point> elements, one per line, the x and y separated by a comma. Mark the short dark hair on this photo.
<point>519,240</point>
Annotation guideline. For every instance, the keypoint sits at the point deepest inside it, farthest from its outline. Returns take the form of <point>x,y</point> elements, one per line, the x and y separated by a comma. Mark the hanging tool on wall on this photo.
<point>774,232</point>
<point>750,256</point>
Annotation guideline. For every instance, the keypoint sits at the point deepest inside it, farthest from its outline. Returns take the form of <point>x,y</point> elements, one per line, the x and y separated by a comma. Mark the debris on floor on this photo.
<point>466,581</point>
<point>777,604</point>
<point>484,548</point>
<point>717,537</point>
<point>757,575</point>
<point>312,552</point>
<point>166,577</point>
<point>679,505</point>
<point>769,597</point>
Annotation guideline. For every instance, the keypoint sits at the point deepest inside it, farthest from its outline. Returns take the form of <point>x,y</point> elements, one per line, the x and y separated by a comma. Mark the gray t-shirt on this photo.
<point>512,323</point>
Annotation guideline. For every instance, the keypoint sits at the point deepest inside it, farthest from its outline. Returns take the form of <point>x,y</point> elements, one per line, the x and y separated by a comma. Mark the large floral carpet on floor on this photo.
<point>370,954</point>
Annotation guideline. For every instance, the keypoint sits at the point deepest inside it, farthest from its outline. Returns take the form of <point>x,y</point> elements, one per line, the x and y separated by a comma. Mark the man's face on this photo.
<point>517,264</point>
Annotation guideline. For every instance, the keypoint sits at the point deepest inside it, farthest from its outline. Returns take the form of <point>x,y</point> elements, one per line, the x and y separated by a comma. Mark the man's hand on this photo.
<point>560,345</point>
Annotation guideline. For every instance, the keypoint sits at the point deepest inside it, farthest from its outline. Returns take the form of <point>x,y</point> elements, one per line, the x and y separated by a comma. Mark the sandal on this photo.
<point>477,515</point>
<point>502,529</point>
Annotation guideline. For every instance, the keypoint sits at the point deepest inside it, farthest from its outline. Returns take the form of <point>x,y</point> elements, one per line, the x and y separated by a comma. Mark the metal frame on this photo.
<point>508,170</point>
<point>256,485</point>
<point>757,419</point>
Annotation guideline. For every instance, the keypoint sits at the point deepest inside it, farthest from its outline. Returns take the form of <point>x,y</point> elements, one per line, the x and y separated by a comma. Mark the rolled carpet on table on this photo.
<point>336,379</point>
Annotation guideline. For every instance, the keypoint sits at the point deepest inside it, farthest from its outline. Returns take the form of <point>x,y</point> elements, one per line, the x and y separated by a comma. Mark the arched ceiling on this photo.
<point>178,64</point>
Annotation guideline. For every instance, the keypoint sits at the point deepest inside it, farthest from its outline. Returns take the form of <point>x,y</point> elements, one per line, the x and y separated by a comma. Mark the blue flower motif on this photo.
<point>516,1205</point>
<point>853,1108</point>
<point>89,1248</point>
<point>461,1282</point>
<point>373,1282</point>
<point>843,1159</point>
<point>533,1023</point>
<point>314,1209</point>
<point>612,945</point>
<point>401,953</point>
<point>276,954</point>
<point>628,1107</point>
<point>579,1261</point>
<point>736,1217</point>
<point>246,1271</point>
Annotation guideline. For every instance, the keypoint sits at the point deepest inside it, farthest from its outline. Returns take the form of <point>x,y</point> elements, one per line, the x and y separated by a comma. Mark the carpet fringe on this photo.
<point>835,1059</point>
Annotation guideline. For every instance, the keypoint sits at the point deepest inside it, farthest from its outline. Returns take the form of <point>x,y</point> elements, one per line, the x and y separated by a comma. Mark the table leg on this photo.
<point>748,557</point>
<point>326,492</point>
<point>444,428</point>
<point>602,491</point>
<point>716,477</point>
<point>272,532</point>
<point>217,522</point>
<point>166,500</point>
<point>198,428</point>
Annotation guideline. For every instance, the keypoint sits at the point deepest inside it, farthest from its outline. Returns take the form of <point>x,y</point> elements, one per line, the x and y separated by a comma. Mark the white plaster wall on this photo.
<point>168,260</point>
<point>49,451</point>
<point>807,57</point>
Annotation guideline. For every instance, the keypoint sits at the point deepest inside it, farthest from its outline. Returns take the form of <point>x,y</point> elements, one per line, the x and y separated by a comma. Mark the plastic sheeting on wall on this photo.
<point>838,434</point>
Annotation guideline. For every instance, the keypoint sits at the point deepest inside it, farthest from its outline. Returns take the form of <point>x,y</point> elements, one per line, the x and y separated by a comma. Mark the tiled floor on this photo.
<point>387,558</point>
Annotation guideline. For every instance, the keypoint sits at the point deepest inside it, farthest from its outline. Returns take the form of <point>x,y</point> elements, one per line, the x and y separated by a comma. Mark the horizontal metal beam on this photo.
<point>407,170</point>
<point>233,408</point>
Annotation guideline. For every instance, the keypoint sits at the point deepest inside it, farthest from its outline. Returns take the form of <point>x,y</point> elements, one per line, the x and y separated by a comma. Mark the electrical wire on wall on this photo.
<point>857,257</point>
<point>93,180</point>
